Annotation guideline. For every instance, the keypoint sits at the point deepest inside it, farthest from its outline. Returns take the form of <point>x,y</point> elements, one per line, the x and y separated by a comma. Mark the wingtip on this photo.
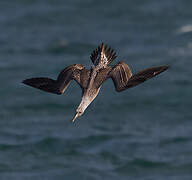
<point>164,68</point>
<point>168,66</point>
<point>24,81</point>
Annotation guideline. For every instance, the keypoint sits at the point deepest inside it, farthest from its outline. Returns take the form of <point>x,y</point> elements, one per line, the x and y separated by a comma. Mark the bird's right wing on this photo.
<point>43,83</point>
<point>123,79</point>
<point>76,72</point>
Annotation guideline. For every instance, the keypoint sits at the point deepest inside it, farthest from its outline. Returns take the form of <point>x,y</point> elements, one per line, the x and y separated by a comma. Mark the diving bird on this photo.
<point>91,80</point>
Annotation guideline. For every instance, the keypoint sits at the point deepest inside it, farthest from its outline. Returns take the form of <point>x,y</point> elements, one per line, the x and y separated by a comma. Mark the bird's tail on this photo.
<point>45,84</point>
<point>103,55</point>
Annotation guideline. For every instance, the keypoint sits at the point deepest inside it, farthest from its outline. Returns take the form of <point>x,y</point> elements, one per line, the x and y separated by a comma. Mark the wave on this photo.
<point>175,140</point>
<point>185,29</point>
<point>58,144</point>
<point>136,164</point>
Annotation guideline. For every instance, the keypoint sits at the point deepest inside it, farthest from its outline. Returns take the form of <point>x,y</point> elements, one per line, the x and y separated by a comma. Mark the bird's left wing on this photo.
<point>63,80</point>
<point>123,79</point>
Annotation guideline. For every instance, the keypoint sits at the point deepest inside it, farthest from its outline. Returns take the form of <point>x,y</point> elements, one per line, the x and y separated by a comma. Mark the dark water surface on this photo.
<point>144,133</point>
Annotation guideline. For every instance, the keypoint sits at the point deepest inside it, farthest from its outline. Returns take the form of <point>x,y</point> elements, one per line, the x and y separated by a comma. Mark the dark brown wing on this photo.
<point>102,75</point>
<point>63,80</point>
<point>123,79</point>
<point>83,79</point>
<point>45,84</point>
<point>145,75</point>
<point>103,55</point>
<point>120,75</point>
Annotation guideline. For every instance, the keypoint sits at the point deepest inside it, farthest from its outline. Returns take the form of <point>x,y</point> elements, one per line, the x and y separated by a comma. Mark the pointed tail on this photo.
<point>103,55</point>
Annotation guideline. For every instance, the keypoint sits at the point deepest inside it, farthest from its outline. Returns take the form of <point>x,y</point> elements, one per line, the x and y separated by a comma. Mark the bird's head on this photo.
<point>82,107</point>
<point>78,114</point>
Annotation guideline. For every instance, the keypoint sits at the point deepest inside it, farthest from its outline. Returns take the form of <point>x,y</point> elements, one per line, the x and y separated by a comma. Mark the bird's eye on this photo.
<point>80,112</point>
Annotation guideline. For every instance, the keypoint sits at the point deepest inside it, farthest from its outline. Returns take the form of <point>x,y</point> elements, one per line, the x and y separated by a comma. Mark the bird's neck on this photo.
<point>88,96</point>
<point>85,101</point>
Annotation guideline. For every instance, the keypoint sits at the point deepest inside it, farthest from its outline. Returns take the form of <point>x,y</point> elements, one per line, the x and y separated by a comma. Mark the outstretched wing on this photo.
<point>63,80</point>
<point>103,55</point>
<point>123,79</point>
<point>45,84</point>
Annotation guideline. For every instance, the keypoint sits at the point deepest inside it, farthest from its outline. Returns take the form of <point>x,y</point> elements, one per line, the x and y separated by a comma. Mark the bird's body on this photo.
<point>91,80</point>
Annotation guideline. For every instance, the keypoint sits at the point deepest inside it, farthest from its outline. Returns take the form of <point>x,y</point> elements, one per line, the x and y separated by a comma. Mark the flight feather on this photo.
<point>103,55</point>
<point>63,80</point>
<point>122,76</point>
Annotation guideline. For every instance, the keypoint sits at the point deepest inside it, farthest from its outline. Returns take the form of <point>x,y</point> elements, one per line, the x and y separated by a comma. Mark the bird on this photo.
<point>91,80</point>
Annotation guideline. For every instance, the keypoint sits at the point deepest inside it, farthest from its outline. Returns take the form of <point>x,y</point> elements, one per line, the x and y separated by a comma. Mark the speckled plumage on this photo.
<point>91,80</point>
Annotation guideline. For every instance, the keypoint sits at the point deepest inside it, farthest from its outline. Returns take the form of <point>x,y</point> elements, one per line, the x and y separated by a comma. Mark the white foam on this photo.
<point>185,29</point>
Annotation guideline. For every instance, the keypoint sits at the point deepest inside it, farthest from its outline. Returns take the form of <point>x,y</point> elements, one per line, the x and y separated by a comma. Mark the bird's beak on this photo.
<point>75,117</point>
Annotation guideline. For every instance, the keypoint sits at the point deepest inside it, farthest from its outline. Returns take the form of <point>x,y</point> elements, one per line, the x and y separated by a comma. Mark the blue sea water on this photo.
<point>143,133</point>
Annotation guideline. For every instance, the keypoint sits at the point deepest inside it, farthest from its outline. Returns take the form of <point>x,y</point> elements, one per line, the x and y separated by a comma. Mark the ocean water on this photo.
<point>143,133</point>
